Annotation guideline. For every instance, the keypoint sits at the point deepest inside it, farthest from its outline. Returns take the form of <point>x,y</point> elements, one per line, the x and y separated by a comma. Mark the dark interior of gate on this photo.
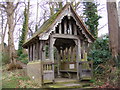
<point>65,58</point>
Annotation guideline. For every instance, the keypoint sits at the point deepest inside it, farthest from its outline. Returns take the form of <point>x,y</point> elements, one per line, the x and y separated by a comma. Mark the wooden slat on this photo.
<point>75,29</point>
<point>29,53</point>
<point>43,50</point>
<point>70,27</point>
<point>33,52</point>
<point>65,27</point>
<point>37,55</point>
<point>60,28</point>
<point>72,53</point>
<point>64,36</point>
<point>40,50</point>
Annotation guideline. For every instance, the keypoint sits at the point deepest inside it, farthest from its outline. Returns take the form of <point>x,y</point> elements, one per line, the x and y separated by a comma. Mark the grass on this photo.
<point>19,79</point>
<point>16,79</point>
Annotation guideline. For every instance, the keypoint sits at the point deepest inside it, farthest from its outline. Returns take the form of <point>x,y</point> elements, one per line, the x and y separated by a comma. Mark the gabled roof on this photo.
<point>47,25</point>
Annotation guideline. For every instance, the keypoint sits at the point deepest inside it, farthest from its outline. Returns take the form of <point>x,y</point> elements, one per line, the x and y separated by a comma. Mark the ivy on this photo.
<point>90,12</point>
<point>24,32</point>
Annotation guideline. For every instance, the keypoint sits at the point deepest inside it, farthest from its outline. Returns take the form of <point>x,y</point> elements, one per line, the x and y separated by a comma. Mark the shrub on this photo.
<point>23,58</point>
<point>99,52</point>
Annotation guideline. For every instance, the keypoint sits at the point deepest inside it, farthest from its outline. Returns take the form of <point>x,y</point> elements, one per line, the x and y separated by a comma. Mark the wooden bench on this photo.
<point>68,72</point>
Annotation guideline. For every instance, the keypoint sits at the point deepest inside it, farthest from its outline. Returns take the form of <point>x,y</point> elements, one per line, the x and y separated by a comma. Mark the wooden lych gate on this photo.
<point>59,48</point>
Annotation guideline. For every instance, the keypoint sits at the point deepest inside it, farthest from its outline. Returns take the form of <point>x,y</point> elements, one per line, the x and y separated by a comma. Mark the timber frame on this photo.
<point>57,49</point>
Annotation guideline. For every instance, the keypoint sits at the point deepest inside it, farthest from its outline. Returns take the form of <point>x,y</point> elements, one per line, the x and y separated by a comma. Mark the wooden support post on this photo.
<point>40,50</point>
<point>63,55</point>
<point>58,55</point>
<point>67,53</point>
<point>75,29</point>
<point>78,53</point>
<point>33,52</point>
<point>83,48</point>
<point>72,54</point>
<point>43,50</point>
<point>37,50</point>
<point>70,27</point>
<point>60,28</point>
<point>29,53</point>
<point>51,52</point>
<point>65,27</point>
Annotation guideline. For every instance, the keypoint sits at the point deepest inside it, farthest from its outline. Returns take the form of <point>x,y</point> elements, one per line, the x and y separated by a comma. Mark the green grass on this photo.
<point>15,79</point>
<point>10,84</point>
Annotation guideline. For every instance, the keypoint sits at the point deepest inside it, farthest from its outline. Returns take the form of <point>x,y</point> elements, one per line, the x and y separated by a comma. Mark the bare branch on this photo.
<point>17,20</point>
<point>16,6</point>
<point>102,26</point>
<point>2,5</point>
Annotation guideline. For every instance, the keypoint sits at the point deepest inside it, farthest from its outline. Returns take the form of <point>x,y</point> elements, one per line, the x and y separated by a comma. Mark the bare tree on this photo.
<point>9,8</point>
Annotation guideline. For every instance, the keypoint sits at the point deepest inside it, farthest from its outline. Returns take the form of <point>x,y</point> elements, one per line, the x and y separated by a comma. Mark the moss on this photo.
<point>63,85</point>
<point>34,62</point>
<point>47,81</point>
<point>45,26</point>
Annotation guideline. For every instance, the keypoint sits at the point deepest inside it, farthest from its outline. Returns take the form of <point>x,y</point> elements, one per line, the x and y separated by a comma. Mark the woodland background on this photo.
<point>105,51</point>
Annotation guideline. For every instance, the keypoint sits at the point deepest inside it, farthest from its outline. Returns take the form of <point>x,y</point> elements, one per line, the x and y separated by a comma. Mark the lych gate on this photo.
<point>59,48</point>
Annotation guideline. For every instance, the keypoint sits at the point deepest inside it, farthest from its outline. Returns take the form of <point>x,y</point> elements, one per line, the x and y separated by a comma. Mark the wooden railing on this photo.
<point>48,71</point>
<point>47,65</point>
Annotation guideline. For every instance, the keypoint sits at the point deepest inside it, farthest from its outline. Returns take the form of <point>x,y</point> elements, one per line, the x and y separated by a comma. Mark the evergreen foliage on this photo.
<point>90,12</point>
<point>24,33</point>
<point>100,52</point>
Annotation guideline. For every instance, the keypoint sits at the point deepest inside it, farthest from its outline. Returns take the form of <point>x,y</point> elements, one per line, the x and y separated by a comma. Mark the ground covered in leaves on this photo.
<point>17,79</point>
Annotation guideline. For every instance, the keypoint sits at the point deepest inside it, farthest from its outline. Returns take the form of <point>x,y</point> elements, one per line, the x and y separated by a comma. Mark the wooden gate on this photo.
<point>48,71</point>
<point>86,70</point>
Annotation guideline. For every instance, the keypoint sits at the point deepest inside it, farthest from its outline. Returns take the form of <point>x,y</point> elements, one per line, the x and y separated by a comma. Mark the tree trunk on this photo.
<point>10,21</point>
<point>113,27</point>
<point>119,29</point>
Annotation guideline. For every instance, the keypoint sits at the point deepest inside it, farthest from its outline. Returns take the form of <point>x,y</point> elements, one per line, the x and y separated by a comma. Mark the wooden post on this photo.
<point>75,29</point>
<point>40,50</point>
<point>31,56</point>
<point>51,52</point>
<point>65,27</point>
<point>83,48</point>
<point>33,52</point>
<point>43,50</point>
<point>78,53</point>
<point>37,50</point>
<point>29,53</point>
<point>70,27</point>
<point>72,53</point>
<point>58,55</point>
<point>60,29</point>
